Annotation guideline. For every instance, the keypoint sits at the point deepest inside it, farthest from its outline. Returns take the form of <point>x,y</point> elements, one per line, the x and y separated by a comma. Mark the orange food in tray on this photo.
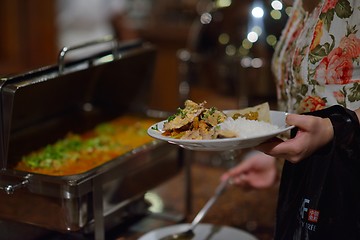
<point>78,153</point>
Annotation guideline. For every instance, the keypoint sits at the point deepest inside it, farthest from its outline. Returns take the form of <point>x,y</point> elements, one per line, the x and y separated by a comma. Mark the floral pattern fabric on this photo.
<point>317,60</point>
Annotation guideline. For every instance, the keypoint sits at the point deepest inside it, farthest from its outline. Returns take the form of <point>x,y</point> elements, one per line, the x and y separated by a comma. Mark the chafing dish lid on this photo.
<point>40,106</point>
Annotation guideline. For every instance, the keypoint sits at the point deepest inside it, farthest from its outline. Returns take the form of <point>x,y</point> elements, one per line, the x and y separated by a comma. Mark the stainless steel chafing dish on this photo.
<point>40,106</point>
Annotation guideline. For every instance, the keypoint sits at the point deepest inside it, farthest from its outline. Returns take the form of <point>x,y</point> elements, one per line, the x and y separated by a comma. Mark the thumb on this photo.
<point>240,169</point>
<point>300,121</point>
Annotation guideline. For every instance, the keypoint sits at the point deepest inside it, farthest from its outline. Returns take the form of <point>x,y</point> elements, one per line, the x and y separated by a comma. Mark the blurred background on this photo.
<point>221,48</point>
<point>214,50</point>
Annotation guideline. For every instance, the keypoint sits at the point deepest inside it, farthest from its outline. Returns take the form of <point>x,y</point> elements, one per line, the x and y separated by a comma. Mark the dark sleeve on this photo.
<point>346,125</point>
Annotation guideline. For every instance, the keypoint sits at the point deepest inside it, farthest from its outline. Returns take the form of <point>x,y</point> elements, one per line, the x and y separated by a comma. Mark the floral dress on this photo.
<point>317,60</point>
<point>317,65</point>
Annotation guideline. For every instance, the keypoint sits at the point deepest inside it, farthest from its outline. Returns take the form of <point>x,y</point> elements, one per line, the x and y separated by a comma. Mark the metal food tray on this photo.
<point>41,106</point>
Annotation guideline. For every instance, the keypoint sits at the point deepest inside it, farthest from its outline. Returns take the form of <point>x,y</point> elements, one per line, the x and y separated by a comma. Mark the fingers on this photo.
<point>304,122</point>
<point>313,133</point>
<point>257,171</point>
<point>270,147</point>
<point>239,180</point>
<point>242,181</point>
<point>238,170</point>
<point>297,120</point>
<point>237,175</point>
<point>290,150</point>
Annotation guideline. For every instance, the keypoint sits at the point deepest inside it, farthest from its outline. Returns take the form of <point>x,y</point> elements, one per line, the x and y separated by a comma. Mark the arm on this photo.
<point>260,170</point>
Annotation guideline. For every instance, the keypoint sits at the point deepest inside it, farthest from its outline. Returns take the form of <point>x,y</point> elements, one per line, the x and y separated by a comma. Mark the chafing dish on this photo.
<point>40,106</point>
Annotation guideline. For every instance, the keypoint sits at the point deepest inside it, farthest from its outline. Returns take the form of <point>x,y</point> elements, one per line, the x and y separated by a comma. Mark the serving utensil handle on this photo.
<point>218,191</point>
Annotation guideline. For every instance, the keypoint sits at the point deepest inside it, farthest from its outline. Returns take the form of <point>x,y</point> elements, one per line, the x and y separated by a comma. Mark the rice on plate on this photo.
<point>244,128</point>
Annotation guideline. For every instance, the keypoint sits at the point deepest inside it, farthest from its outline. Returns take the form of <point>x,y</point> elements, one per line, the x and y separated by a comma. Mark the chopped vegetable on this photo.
<point>77,153</point>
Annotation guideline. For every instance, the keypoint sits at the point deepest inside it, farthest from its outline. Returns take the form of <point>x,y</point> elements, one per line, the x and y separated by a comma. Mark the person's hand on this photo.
<point>257,171</point>
<point>313,133</point>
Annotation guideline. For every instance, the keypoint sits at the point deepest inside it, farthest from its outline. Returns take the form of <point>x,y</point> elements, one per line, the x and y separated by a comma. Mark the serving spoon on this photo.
<point>189,234</point>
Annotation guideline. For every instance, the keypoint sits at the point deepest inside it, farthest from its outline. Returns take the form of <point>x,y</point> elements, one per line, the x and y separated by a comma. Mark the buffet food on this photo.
<point>197,122</point>
<point>77,153</point>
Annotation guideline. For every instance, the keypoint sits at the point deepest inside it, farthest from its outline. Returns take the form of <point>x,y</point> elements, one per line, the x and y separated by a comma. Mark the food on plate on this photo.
<point>194,113</point>
<point>194,121</point>
<point>259,112</point>
<point>77,153</point>
<point>197,122</point>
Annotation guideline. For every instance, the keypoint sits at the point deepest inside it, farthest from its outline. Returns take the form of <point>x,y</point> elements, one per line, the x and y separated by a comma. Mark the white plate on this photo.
<point>276,118</point>
<point>202,232</point>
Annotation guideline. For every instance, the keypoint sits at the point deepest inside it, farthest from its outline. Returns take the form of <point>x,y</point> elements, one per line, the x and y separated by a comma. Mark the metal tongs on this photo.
<point>189,234</point>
